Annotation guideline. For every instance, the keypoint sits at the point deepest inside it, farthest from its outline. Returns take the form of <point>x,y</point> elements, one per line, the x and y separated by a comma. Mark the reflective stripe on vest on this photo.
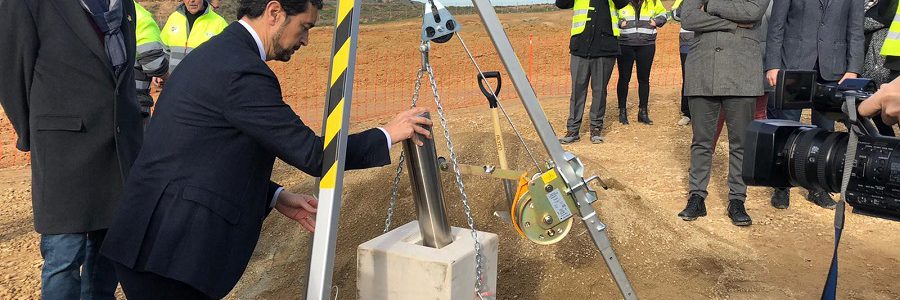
<point>181,39</point>
<point>580,10</point>
<point>891,45</point>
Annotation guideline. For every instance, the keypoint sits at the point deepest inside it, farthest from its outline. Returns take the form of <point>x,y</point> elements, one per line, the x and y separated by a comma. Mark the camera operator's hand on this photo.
<point>772,76</point>
<point>886,100</point>
<point>848,75</point>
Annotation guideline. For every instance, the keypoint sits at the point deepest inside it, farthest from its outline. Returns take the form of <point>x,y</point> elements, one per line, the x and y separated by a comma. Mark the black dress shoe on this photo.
<point>569,138</point>
<point>644,117</point>
<point>738,214</point>
<point>821,198</point>
<point>695,208</point>
<point>781,198</point>
<point>623,116</point>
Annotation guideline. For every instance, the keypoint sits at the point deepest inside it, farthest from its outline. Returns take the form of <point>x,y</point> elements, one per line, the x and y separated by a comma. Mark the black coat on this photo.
<point>195,202</point>
<point>80,121</point>
<point>597,40</point>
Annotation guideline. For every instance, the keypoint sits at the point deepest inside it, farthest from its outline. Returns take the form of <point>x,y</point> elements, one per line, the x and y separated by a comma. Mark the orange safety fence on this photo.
<point>385,76</point>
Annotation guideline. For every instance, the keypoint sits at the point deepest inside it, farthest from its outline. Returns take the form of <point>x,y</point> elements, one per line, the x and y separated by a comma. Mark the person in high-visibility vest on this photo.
<point>638,22</point>
<point>891,48</point>
<point>151,61</point>
<point>593,48</point>
<point>192,24</point>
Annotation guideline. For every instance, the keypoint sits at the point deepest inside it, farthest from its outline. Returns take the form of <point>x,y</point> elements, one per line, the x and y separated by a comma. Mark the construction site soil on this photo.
<point>785,254</point>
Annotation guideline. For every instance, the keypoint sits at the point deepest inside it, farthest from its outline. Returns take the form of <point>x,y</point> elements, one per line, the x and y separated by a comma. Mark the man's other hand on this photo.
<point>406,123</point>
<point>886,100</point>
<point>847,75</point>
<point>772,76</point>
<point>300,208</point>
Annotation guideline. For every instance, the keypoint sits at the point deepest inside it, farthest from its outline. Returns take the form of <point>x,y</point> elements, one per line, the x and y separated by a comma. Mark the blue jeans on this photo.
<point>73,267</point>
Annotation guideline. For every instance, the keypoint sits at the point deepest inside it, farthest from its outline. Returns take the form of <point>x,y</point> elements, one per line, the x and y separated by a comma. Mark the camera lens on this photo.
<point>816,158</point>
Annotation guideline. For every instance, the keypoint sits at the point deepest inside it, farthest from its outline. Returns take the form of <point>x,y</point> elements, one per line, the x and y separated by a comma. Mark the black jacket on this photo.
<point>597,39</point>
<point>194,204</point>
<point>79,119</point>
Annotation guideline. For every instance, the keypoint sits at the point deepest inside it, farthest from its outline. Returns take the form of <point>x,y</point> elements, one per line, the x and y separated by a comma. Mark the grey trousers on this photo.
<point>704,114</point>
<point>595,71</point>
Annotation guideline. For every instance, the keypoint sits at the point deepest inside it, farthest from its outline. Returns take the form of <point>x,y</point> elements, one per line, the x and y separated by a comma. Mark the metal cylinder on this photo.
<point>422,164</point>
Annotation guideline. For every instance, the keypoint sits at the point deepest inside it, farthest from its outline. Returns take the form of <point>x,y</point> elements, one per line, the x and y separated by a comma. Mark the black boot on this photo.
<point>781,198</point>
<point>738,214</point>
<point>643,116</point>
<point>696,207</point>
<point>623,116</point>
<point>822,199</point>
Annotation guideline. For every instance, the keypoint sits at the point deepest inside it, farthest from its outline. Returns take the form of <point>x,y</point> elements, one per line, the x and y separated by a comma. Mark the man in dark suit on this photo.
<point>67,86</point>
<point>195,202</point>
<point>822,35</point>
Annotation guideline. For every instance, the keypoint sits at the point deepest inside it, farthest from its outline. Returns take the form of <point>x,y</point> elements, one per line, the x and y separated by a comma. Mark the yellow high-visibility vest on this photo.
<point>181,39</point>
<point>891,45</point>
<point>148,41</point>
<point>649,9</point>
<point>580,16</point>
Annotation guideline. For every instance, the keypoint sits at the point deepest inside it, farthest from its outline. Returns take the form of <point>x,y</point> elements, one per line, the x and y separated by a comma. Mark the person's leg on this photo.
<point>580,76</point>
<point>601,70</point>
<point>644,56</point>
<point>625,64</point>
<point>719,124</point>
<point>761,103</point>
<point>63,256</point>
<point>705,114</point>
<point>145,285</point>
<point>790,114</point>
<point>738,114</point>
<point>98,277</point>
<point>685,110</point>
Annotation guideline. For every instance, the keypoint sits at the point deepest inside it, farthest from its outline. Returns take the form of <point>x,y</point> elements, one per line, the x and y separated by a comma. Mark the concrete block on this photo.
<point>396,266</point>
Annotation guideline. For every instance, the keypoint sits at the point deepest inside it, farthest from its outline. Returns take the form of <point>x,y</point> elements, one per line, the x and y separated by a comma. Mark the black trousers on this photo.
<point>145,285</point>
<point>643,55</point>
<point>685,108</point>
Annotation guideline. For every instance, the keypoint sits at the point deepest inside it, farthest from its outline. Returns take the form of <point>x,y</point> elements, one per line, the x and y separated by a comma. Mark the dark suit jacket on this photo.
<point>80,121</point>
<point>195,202</point>
<point>828,32</point>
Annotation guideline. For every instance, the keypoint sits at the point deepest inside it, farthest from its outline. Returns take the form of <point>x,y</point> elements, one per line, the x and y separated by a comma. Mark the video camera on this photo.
<point>781,153</point>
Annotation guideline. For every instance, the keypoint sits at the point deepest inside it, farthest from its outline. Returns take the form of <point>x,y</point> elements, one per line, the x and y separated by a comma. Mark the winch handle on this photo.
<point>492,99</point>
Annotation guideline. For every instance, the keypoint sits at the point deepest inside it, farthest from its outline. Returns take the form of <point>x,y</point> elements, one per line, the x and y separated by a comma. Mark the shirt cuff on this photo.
<point>388,137</point>
<point>275,197</point>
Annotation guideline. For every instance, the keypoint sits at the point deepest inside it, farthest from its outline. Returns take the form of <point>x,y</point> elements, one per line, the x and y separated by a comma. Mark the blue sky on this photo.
<point>495,2</point>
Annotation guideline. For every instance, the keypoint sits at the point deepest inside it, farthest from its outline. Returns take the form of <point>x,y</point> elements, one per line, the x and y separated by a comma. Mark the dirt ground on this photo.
<point>785,254</point>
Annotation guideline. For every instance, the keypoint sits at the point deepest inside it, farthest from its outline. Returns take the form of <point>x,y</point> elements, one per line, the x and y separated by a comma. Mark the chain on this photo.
<point>479,258</point>
<point>395,187</point>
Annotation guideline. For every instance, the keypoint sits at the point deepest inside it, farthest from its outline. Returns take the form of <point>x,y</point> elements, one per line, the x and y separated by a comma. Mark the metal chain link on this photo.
<point>479,257</point>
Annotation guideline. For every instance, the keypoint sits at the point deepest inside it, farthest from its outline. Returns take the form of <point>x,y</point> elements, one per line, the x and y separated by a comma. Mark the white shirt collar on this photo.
<point>259,45</point>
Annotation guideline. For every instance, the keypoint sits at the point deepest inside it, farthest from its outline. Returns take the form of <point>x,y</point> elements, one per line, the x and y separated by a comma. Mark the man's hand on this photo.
<point>746,26</point>
<point>623,24</point>
<point>886,100</point>
<point>301,208</point>
<point>848,75</point>
<point>406,123</point>
<point>772,76</point>
<point>653,23</point>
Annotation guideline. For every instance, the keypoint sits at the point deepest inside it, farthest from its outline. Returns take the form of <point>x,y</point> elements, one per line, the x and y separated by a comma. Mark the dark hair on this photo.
<point>255,8</point>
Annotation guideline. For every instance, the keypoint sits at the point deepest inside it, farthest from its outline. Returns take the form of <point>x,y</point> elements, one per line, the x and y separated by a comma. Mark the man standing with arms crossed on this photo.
<point>593,47</point>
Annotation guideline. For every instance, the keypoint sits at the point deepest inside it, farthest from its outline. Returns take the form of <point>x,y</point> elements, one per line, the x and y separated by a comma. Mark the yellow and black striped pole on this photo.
<point>336,121</point>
